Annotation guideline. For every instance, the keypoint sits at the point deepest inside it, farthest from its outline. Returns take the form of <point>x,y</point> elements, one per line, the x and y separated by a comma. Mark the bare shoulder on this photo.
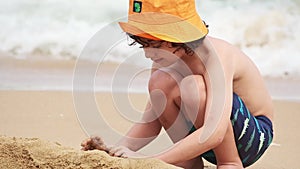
<point>223,47</point>
<point>217,41</point>
<point>231,55</point>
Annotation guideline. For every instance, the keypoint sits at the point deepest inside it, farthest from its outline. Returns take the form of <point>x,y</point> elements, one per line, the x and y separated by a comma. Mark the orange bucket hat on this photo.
<point>169,20</point>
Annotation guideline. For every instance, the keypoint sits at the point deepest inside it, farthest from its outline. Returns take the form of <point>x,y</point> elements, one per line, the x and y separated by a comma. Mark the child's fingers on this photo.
<point>97,143</point>
<point>117,151</point>
<point>86,148</point>
<point>118,154</point>
<point>112,150</point>
<point>124,155</point>
<point>86,144</point>
<point>97,139</point>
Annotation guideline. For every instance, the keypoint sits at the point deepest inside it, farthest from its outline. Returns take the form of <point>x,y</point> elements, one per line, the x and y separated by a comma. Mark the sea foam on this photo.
<point>267,30</point>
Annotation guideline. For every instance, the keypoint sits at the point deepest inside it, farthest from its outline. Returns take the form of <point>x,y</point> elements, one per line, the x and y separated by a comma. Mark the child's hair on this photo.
<point>188,46</point>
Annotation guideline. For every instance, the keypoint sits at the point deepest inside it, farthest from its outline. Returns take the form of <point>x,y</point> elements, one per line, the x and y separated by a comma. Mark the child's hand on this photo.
<point>96,143</point>
<point>124,152</point>
<point>92,143</point>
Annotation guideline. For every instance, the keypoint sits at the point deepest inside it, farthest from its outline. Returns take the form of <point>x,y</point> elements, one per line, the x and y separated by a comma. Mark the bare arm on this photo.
<point>137,137</point>
<point>142,133</point>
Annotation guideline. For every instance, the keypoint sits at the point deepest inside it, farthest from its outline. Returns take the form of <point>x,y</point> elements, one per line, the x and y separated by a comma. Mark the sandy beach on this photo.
<point>51,115</point>
<point>36,153</point>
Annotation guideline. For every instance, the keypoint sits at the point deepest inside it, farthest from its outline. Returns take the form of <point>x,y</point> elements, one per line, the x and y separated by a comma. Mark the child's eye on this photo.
<point>155,44</point>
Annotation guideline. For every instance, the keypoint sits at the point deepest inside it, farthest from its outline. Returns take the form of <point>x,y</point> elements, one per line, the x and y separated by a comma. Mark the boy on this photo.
<point>206,93</point>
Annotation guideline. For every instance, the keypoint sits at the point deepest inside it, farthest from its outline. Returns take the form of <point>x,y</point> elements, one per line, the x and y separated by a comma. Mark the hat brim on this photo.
<point>165,27</point>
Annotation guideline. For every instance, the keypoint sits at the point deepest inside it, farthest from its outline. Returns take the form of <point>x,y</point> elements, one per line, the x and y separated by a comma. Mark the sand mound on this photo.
<point>36,153</point>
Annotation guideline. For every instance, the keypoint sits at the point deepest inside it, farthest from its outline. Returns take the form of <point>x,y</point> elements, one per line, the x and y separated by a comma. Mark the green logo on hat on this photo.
<point>137,6</point>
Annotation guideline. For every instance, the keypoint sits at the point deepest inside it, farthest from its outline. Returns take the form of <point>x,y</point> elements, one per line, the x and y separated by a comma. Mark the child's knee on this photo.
<point>163,81</point>
<point>192,89</point>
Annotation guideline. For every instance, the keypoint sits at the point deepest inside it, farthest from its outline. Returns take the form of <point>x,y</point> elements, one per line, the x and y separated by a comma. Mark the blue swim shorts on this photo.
<point>253,135</point>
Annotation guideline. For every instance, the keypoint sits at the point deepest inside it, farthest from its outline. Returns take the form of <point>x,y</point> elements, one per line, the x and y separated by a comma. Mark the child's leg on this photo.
<point>196,163</point>
<point>193,98</point>
<point>193,94</point>
<point>253,135</point>
<point>165,97</point>
<point>226,153</point>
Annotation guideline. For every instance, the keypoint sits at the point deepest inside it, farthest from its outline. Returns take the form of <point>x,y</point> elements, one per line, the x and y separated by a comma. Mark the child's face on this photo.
<point>163,55</point>
<point>160,52</point>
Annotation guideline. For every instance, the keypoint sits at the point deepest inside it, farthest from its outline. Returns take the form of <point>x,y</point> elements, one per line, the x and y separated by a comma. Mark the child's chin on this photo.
<point>164,64</point>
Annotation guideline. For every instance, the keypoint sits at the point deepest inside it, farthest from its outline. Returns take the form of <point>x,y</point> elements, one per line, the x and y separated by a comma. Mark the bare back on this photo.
<point>247,81</point>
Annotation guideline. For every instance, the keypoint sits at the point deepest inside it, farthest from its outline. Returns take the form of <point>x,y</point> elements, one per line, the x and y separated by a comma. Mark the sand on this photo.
<point>36,153</point>
<point>48,132</point>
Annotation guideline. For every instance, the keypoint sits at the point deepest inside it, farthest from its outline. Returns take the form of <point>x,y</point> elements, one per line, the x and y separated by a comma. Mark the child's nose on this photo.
<point>149,52</point>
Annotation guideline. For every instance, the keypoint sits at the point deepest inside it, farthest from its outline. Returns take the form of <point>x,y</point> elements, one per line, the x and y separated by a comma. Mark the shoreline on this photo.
<point>58,75</point>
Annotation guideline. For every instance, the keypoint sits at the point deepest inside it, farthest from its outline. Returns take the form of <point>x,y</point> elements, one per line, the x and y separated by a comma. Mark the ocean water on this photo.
<point>267,31</point>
